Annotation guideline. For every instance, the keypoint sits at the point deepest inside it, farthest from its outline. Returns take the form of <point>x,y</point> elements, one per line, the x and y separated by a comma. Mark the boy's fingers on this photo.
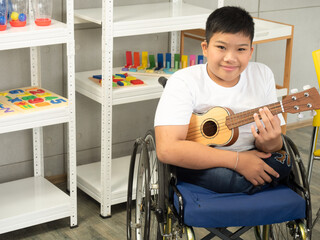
<point>254,182</point>
<point>254,132</point>
<point>260,180</point>
<point>258,123</point>
<point>271,171</point>
<point>266,117</point>
<point>266,177</point>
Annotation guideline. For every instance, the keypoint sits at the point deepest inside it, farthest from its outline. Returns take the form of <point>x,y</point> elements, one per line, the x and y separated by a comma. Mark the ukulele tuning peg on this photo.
<point>306,87</point>
<point>294,90</point>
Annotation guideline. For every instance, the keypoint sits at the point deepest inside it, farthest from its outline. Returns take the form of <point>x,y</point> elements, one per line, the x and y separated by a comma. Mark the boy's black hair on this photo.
<point>229,20</point>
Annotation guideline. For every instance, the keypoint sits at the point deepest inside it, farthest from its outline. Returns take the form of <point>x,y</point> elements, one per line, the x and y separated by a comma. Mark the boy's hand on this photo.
<point>268,137</point>
<point>254,169</point>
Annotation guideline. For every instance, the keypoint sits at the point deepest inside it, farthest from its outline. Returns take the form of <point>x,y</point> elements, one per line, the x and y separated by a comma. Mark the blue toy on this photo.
<point>3,20</point>
<point>22,17</point>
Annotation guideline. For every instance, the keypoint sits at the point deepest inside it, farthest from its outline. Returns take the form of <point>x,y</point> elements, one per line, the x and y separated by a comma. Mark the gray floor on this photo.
<point>92,226</point>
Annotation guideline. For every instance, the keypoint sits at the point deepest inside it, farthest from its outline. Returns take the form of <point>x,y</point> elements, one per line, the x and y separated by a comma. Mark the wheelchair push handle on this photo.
<point>162,81</point>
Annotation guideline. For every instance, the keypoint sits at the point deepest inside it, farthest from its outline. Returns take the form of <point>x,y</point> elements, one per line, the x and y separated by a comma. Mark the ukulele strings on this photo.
<point>242,117</point>
<point>194,131</point>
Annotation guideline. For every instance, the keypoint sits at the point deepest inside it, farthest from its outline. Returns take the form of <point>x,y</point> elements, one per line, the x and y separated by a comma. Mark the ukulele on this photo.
<point>219,125</point>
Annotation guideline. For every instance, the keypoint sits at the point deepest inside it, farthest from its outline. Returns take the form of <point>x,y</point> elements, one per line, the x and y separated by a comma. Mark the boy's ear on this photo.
<point>204,46</point>
<point>252,49</point>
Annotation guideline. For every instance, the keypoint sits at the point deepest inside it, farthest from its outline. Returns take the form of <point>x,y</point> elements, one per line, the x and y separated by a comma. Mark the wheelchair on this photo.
<point>161,207</point>
<point>165,208</point>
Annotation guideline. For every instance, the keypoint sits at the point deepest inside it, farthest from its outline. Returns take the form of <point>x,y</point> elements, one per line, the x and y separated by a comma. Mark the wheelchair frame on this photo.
<point>157,218</point>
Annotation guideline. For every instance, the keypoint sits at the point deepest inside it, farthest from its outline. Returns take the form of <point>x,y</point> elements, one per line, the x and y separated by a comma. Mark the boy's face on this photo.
<point>227,56</point>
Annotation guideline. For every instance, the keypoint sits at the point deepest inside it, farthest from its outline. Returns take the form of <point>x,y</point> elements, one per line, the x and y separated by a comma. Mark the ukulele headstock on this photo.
<point>306,100</point>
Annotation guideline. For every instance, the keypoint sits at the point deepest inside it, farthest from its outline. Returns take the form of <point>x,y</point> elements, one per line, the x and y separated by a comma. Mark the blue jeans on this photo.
<point>224,180</point>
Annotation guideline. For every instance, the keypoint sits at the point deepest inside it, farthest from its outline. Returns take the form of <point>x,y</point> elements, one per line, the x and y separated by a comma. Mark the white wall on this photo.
<point>132,120</point>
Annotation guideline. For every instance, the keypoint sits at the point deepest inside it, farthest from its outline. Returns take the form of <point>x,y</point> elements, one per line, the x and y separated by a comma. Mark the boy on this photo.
<point>227,80</point>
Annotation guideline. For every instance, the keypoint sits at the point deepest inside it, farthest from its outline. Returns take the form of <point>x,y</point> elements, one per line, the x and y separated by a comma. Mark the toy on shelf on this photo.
<point>18,12</point>
<point>42,12</point>
<point>163,66</point>
<point>28,99</point>
<point>3,14</point>
<point>119,80</point>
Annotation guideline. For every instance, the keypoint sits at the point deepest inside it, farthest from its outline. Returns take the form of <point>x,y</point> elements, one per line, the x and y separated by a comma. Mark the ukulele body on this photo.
<point>210,128</point>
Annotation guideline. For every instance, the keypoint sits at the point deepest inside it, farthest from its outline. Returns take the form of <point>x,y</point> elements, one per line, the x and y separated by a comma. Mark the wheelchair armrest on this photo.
<point>180,213</point>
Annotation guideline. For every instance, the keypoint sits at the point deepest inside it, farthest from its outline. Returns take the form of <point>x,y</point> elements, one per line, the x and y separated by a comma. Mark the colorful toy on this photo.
<point>43,12</point>
<point>168,60</point>
<point>28,99</point>
<point>184,61</point>
<point>144,61</point>
<point>128,60</point>
<point>14,16</point>
<point>176,61</point>
<point>160,62</point>
<point>22,17</point>
<point>119,80</point>
<point>200,59</point>
<point>163,67</point>
<point>3,20</point>
<point>192,60</point>
<point>3,14</point>
<point>18,14</point>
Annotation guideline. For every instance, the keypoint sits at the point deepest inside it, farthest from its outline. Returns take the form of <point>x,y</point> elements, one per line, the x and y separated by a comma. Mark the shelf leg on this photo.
<point>38,152</point>
<point>106,107</point>
<point>71,133</point>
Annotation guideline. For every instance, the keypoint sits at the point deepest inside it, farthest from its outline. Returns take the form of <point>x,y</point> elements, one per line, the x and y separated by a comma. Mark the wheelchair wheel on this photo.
<point>141,219</point>
<point>297,229</point>
<point>282,231</point>
<point>152,171</point>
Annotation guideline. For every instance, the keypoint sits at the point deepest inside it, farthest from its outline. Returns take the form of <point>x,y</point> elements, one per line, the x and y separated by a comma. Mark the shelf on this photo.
<point>151,90</point>
<point>89,179</point>
<point>35,119</point>
<point>265,31</point>
<point>148,18</point>
<point>29,107</point>
<point>31,35</point>
<point>31,201</point>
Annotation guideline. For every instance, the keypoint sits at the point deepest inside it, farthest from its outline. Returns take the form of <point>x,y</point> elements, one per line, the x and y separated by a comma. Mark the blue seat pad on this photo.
<point>204,208</point>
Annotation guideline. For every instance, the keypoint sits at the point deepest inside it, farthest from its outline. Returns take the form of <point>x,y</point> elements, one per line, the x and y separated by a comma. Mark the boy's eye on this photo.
<point>221,47</point>
<point>242,49</point>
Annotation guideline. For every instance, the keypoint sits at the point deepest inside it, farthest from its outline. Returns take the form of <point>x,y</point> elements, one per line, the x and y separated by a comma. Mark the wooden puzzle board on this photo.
<point>97,81</point>
<point>28,99</point>
<point>153,74</point>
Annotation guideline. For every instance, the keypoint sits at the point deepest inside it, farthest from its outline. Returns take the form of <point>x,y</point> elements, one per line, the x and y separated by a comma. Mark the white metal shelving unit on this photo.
<point>35,200</point>
<point>106,181</point>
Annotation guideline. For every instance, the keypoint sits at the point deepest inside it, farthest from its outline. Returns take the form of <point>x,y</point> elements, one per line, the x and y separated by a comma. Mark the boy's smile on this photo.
<point>227,56</point>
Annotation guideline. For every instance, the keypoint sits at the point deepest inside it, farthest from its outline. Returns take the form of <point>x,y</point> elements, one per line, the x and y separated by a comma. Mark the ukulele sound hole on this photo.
<point>209,128</point>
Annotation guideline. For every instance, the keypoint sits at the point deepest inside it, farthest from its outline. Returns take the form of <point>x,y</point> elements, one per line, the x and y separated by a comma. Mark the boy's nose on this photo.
<point>230,56</point>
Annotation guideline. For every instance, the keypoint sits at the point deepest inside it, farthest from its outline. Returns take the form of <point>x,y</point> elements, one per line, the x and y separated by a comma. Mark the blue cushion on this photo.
<point>204,208</point>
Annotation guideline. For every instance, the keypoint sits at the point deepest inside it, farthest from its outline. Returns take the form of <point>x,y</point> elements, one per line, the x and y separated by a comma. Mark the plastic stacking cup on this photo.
<point>42,12</point>
<point>3,14</point>
<point>18,12</point>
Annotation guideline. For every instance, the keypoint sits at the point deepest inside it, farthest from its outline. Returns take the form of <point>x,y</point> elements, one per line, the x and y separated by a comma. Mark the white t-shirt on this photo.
<point>192,90</point>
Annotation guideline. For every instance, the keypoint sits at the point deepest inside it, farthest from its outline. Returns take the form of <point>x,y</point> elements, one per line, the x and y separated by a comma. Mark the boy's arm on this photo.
<point>172,148</point>
<point>268,137</point>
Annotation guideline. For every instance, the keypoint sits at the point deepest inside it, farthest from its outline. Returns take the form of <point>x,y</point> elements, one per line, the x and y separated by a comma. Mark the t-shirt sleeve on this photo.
<point>176,104</point>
